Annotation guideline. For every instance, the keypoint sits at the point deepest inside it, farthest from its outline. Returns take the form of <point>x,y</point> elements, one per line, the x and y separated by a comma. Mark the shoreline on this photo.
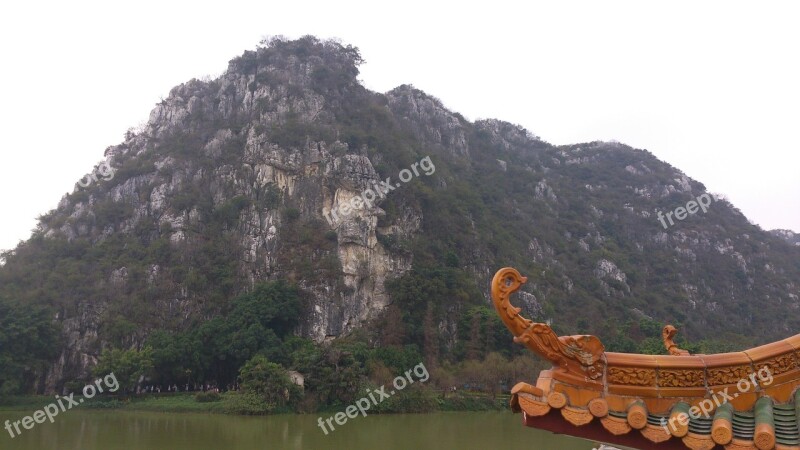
<point>187,403</point>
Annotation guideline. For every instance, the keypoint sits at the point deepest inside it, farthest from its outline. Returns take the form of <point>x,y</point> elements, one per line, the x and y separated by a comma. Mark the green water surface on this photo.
<point>122,430</point>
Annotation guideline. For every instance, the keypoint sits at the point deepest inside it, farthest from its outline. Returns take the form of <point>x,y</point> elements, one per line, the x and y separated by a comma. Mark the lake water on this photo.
<point>120,430</point>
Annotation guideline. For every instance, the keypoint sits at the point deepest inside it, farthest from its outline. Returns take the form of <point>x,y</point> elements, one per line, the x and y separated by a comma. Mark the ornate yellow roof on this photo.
<point>738,400</point>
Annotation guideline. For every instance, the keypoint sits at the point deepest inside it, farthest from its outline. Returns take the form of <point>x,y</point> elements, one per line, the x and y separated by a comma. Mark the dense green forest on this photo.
<point>250,347</point>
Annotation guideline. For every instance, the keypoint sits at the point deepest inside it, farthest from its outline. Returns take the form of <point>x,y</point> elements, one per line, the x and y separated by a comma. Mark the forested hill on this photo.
<point>205,235</point>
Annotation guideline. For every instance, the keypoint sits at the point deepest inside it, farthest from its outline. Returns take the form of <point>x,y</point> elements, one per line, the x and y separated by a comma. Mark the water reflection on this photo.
<point>89,430</point>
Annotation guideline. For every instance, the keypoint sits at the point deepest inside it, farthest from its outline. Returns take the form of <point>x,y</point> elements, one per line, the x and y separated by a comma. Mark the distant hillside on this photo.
<point>790,236</point>
<point>232,181</point>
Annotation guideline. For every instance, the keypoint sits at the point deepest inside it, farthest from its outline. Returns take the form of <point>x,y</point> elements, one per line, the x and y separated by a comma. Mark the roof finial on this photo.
<point>667,334</point>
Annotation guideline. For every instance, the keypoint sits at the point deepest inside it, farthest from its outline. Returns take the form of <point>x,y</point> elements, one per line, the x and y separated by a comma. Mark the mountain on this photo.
<point>251,177</point>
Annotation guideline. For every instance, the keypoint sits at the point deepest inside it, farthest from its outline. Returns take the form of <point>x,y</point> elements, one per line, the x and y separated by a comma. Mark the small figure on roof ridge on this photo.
<point>667,334</point>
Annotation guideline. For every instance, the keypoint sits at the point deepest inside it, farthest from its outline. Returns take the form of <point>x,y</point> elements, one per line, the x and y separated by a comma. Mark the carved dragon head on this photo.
<point>579,354</point>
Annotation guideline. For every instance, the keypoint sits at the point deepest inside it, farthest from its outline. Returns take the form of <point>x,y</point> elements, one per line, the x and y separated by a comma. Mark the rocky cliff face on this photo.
<point>236,179</point>
<point>237,116</point>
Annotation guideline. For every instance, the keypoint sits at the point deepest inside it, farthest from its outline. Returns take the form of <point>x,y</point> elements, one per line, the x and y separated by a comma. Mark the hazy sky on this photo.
<point>709,87</point>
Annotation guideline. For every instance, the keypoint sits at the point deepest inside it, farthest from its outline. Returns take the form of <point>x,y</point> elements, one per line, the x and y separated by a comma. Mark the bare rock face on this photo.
<point>427,118</point>
<point>608,271</point>
<point>81,332</point>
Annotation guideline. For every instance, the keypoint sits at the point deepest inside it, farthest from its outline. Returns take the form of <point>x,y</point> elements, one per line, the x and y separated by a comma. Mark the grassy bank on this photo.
<point>165,403</point>
<point>232,403</point>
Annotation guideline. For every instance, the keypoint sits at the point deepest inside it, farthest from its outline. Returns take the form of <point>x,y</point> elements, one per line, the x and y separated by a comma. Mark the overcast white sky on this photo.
<point>710,87</point>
